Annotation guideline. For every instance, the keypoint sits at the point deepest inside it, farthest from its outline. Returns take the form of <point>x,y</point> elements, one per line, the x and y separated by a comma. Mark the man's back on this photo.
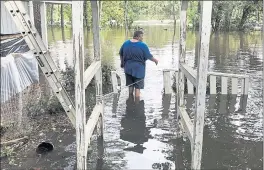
<point>135,55</point>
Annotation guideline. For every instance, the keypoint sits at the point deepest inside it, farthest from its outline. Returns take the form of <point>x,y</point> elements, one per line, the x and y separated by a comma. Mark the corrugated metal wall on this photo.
<point>7,24</point>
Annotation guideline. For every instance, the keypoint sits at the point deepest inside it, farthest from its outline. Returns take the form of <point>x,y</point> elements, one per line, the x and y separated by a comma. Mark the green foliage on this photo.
<point>114,10</point>
<point>193,15</point>
<point>233,15</point>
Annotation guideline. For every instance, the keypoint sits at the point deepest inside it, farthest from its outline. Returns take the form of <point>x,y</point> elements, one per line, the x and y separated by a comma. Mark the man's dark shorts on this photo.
<point>138,82</point>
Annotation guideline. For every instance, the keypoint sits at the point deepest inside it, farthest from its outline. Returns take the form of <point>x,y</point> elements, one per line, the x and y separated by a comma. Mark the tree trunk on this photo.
<point>62,23</point>
<point>100,8</point>
<point>126,22</point>
<point>51,14</point>
<point>245,14</point>
<point>174,21</point>
<point>228,14</point>
<point>85,13</point>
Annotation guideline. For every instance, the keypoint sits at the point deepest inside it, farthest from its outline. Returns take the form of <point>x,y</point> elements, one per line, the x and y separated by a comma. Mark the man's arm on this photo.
<point>149,56</point>
<point>154,60</point>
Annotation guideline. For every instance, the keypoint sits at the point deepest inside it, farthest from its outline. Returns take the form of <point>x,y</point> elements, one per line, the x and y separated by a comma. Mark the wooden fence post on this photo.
<point>212,84</point>
<point>98,76</point>
<point>43,18</point>
<point>205,32</point>
<point>114,81</point>
<point>78,52</point>
<point>182,48</point>
<point>167,81</point>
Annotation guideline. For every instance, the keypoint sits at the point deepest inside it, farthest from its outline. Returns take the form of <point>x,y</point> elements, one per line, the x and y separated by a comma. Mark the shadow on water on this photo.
<point>133,125</point>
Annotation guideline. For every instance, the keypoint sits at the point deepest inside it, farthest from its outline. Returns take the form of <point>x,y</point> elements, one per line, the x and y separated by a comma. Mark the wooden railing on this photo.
<point>191,75</point>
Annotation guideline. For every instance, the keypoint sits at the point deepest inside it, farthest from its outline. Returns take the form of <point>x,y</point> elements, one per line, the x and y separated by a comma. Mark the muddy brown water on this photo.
<point>144,135</point>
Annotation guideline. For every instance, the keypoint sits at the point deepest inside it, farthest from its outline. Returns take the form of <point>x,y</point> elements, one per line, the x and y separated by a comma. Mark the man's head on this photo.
<point>138,35</point>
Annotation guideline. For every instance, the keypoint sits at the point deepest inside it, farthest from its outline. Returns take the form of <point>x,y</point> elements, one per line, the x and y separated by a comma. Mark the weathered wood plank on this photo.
<point>205,33</point>
<point>234,85</point>
<point>190,87</point>
<point>167,82</point>
<point>123,80</point>
<point>98,77</point>
<point>91,124</point>
<point>224,85</point>
<point>96,29</point>
<point>78,53</point>
<point>43,18</point>
<point>228,75</point>
<point>91,71</point>
<point>187,123</point>
<point>58,2</point>
<point>182,50</point>
<point>11,142</point>
<point>5,37</point>
<point>212,73</point>
<point>242,87</point>
<point>246,86</point>
<point>190,73</point>
<point>212,84</point>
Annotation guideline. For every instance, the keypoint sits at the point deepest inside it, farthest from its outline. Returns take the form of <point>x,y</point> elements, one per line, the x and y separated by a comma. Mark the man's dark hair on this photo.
<point>137,34</point>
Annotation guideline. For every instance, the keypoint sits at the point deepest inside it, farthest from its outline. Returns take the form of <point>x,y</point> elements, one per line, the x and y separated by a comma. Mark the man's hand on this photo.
<point>156,61</point>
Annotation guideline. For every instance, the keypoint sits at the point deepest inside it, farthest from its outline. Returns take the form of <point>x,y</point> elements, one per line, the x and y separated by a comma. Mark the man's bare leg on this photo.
<point>137,95</point>
<point>131,90</point>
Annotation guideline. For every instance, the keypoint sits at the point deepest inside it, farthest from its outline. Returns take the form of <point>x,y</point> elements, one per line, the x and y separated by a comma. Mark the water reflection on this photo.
<point>232,129</point>
<point>166,101</point>
<point>134,125</point>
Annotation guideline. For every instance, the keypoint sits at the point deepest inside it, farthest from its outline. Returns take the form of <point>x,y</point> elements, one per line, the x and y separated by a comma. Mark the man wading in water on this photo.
<point>133,54</point>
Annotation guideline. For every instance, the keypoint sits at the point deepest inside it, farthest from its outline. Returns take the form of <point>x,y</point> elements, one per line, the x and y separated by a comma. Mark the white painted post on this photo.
<point>182,50</point>
<point>78,53</point>
<point>242,86</point>
<point>205,25</point>
<point>212,84</point>
<point>234,85</point>
<point>43,18</point>
<point>123,80</point>
<point>114,81</point>
<point>167,81</point>
<point>190,87</point>
<point>246,86</point>
<point>98,76</point>
<point>224,85</point>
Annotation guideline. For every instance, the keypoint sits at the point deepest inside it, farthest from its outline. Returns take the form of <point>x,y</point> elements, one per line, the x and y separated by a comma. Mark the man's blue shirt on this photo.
<point>134,56</point>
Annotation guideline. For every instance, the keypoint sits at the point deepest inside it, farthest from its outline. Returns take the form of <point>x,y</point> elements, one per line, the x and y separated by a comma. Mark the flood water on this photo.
<point>144,135</point>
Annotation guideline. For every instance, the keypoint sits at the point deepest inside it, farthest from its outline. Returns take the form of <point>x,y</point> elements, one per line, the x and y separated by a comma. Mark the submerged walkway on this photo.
<point>146,136</point>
